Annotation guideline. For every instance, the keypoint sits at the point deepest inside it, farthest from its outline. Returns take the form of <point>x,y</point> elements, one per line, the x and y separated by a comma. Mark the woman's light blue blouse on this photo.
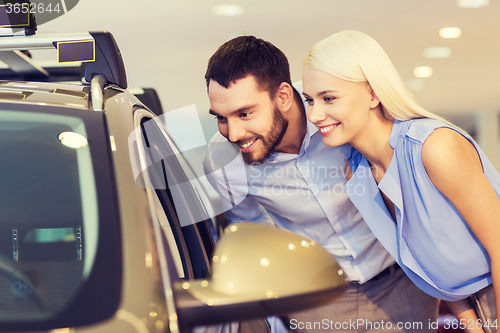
<point>431,241</point>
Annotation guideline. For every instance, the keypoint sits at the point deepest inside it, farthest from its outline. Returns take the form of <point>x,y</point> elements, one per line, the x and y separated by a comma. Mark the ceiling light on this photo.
<point>417,84</point>
<point>72,140</point>
<point>451,32</point>
<point>422,71</point>
<point>472,3</point>
<point>437,52</point>
<point>228,10</point>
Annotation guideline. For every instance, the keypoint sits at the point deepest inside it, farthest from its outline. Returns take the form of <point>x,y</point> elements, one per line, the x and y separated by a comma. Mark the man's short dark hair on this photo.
<point>248,55</point>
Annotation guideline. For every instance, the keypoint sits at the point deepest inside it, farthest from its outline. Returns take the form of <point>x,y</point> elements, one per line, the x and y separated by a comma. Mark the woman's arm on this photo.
<point>465,313</point>
<point>454,167</point>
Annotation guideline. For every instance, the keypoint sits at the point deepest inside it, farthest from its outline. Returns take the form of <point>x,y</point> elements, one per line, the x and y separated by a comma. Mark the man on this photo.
<point>289,178</point>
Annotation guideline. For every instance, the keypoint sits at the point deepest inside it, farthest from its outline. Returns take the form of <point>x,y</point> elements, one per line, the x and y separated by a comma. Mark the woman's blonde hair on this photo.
<point>354,56</point>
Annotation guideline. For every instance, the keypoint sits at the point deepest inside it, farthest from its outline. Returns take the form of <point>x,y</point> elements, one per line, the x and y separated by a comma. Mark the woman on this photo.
<point>423,186</point>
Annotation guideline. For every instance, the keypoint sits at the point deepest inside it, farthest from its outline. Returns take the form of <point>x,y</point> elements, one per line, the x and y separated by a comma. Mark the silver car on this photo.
<point>103,228</point>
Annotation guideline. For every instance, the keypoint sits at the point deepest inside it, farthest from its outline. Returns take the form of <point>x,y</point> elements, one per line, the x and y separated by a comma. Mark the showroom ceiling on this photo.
<point>166,43</point>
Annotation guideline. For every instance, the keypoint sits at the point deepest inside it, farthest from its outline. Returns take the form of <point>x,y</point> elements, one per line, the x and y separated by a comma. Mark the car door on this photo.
<point>177,200</point>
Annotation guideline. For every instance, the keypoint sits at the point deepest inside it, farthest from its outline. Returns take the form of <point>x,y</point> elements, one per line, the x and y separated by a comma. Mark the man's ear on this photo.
<point>374,101</point>
<point>284,97</point>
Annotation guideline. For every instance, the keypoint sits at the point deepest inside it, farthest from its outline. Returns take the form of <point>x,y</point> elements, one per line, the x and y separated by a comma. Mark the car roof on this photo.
<point>45,93</point>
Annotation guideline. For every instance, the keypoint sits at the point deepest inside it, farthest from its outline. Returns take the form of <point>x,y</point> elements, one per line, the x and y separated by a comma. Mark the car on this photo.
<point>102,226</point>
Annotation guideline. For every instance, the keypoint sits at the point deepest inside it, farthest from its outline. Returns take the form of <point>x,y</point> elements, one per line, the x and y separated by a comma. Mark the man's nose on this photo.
<point>236,132</point>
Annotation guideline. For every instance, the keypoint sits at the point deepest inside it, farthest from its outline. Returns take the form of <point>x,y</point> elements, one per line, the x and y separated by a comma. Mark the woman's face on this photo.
<point>340,109</point>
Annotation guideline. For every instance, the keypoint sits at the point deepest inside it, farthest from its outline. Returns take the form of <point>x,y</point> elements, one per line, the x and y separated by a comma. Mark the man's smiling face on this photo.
<point>247,116</point>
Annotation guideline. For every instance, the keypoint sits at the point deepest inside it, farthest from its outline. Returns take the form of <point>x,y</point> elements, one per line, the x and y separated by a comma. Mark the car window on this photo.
<point>169,238</point>
<point>49,212</point>
<point>178,199</point>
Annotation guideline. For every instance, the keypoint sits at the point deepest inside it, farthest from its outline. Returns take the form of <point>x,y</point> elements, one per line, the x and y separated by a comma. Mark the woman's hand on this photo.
<point>465,313</point>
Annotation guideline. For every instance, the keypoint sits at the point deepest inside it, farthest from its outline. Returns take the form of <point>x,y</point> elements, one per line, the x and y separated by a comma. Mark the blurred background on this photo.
<point>166,45</point>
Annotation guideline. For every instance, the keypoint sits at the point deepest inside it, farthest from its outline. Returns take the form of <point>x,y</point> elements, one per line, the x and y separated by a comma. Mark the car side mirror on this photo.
<point>258,271</point>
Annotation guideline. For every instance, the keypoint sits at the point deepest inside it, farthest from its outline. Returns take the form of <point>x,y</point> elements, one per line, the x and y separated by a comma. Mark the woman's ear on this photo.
<point>284,97</point>
<point>374,101</point>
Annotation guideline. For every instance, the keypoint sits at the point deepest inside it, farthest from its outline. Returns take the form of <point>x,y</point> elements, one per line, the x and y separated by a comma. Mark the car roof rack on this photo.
<point>17,17</point>
<point>96,49</point>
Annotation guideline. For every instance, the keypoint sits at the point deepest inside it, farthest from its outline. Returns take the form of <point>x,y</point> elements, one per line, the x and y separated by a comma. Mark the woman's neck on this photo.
<point>374,145</point>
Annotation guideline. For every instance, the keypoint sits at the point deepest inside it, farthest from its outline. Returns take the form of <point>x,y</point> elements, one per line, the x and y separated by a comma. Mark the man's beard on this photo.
<point>269,143</point>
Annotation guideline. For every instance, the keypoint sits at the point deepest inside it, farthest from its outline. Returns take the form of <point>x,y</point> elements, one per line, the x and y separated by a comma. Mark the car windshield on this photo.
<point>48,212</point>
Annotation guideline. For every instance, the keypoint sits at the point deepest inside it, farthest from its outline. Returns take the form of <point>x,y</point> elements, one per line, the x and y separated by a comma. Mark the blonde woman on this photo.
<point>424,187</point>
